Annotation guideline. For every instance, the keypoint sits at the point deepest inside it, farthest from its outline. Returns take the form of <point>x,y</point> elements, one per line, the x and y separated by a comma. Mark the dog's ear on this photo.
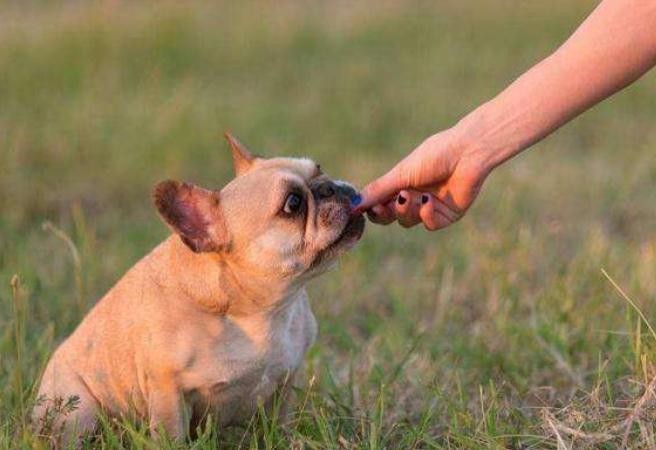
<point>193,213</point>
<point>242,158</point>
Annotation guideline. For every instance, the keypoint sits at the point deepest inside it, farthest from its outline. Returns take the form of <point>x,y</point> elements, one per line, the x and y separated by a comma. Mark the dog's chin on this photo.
<point>350,235</point>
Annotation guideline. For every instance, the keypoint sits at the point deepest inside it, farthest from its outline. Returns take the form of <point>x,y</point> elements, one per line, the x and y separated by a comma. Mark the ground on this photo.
<point>506,330</point>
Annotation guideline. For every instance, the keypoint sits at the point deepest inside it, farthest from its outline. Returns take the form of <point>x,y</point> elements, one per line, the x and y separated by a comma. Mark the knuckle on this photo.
<point>380,219</point>
<point>399,178</point>
<point>406,223</point>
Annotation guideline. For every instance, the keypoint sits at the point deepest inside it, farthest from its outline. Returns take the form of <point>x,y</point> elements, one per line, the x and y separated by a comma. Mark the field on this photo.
<point>507,330</point>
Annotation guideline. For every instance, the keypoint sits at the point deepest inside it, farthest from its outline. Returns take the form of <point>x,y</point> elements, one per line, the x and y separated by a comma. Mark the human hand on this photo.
<point>435,184</point>
<point>439,180</point>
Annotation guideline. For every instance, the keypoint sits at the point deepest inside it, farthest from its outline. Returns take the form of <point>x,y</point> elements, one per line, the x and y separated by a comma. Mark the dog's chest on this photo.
<point>248,362</point>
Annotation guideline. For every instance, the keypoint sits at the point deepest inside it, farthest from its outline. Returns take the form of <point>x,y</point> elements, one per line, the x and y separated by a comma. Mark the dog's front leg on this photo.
<point>166,410</point>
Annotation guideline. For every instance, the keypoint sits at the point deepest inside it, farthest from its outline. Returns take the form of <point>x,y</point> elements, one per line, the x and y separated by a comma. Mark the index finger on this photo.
<point>380,191</point>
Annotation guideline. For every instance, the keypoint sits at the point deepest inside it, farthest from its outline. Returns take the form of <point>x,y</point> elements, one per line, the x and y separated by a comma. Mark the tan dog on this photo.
<point>216,316</point>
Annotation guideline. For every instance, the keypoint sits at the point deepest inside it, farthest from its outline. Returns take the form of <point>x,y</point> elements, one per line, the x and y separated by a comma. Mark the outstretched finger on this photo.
<point>380,190</point>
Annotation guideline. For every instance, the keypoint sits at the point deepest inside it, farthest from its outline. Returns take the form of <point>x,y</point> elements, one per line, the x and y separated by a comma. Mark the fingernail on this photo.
<point>400,199</point>
<point>356,199</point>
<point>424,199</point>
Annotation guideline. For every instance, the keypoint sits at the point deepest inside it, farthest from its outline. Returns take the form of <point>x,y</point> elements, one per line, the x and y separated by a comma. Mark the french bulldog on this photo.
<point>216,317</point>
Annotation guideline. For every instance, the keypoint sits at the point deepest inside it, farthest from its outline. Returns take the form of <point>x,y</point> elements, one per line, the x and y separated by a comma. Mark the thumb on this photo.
<point>381,190</point>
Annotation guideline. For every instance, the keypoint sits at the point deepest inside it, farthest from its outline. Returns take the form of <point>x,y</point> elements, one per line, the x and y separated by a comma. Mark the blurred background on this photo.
<point>500,331</point>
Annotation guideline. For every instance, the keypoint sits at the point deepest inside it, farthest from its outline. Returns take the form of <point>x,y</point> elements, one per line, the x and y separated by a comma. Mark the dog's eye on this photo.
<point>293,203</point>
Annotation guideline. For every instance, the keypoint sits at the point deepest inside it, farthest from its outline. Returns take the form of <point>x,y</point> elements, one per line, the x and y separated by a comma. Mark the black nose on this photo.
<point>346,190</point>
<point>327,189</point>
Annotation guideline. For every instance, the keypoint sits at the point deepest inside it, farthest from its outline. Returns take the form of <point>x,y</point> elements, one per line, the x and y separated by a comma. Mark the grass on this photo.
<point>499,332</point>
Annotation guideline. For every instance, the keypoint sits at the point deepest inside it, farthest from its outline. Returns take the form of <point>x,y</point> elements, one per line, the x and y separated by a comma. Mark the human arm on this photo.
<point>612,48</point>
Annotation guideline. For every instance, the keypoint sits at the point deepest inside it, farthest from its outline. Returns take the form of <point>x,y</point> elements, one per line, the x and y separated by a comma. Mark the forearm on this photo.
<point>613,47</point>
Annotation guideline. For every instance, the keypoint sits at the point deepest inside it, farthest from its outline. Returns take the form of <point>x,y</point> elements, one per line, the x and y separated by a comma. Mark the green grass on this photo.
<point>499,332</point>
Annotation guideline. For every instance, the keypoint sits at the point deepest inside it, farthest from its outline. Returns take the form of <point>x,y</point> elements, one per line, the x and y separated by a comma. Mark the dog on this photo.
<point>216,317</point>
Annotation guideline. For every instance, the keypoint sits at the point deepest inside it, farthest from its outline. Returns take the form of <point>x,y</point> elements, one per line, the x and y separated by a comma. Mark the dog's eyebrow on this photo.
<point>286,186</point>
<point>289,185</point>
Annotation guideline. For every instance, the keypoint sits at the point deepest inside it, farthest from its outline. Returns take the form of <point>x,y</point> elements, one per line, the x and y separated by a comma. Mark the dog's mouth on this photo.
<point>351,233</point>
<point>346,240</point>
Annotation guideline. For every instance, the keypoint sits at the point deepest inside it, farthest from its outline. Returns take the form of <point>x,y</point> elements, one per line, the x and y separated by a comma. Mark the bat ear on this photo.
<point>193,213</point>
<point>242,158</point>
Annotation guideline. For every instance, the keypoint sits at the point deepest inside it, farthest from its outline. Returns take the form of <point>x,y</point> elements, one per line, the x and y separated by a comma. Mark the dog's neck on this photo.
<point>221,286</point>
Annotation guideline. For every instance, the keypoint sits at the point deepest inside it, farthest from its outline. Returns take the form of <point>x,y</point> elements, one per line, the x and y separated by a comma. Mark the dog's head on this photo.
<point>279,218</point>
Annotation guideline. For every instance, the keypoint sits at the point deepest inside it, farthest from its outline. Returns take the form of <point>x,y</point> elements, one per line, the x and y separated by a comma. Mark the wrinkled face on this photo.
<point>287,218</point>
<point>279,218</point>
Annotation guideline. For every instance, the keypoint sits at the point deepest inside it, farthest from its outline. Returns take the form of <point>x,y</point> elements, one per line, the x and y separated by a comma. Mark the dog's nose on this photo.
<point>345,189</point>
<point>327,190</point>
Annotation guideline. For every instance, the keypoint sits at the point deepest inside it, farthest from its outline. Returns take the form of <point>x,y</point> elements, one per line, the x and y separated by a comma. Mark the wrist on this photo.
<point>483,139</point>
